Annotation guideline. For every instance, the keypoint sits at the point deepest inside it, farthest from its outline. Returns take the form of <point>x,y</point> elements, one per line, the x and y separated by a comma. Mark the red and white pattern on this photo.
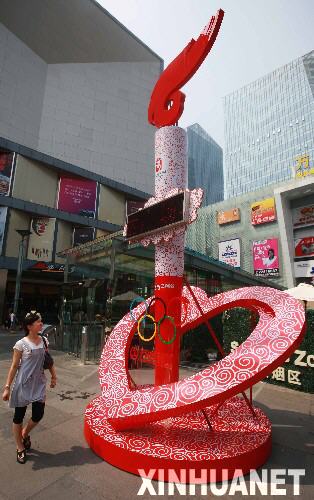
<point>276,336</point>
<point>237,440</point>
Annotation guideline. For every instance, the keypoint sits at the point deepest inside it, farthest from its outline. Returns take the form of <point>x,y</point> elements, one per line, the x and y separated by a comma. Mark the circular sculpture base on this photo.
<point>182,448</point>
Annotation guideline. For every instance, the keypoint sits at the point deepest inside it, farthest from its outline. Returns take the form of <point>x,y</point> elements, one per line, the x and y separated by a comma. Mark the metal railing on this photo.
<point>83,340</point>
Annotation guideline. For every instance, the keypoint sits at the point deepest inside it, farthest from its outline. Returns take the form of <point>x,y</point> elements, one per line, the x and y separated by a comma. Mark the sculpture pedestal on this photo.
<point>185,446</point>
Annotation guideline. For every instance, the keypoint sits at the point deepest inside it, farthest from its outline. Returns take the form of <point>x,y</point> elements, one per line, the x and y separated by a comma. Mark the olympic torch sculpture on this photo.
<point>199,422</point>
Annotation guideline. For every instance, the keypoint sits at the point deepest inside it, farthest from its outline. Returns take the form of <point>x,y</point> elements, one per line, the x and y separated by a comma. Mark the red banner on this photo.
<point>304,247</point>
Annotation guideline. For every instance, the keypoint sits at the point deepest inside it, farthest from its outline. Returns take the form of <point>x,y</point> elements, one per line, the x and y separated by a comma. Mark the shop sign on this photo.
<point>265,258</point>
<point>263,211</point>
<point>303,216</point>
<point>304,247</point>
<point>304,268</point>
<point>229,252</point>
<point>302,167</point>
<point>226,216</point>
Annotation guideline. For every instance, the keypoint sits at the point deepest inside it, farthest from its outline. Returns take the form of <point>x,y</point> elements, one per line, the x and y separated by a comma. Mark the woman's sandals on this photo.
<point>21,456</point>
<point>27,442</point>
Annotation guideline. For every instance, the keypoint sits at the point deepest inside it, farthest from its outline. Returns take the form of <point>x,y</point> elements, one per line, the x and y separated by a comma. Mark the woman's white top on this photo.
<point>26,346</point>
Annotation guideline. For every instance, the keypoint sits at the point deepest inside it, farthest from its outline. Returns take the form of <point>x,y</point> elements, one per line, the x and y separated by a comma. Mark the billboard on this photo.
<point>6,166</point>
<point>83,235</point>
<point>40,243</point>
<point>229,252</point>
<point>303,216</point>
<point>263,211</point>
<point>3,218</point>
<point>304,247</point>
<point>265,258</point>
<point>225,216</point>
<point>304,268</point>
<point>77,196</point>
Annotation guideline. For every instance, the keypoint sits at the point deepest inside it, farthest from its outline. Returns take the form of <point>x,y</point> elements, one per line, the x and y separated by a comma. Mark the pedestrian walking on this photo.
<point>29,387</point>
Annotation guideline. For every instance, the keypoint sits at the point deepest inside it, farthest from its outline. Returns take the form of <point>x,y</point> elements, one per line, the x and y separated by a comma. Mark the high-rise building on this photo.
<point>269,127</point>
<point>205,160</point>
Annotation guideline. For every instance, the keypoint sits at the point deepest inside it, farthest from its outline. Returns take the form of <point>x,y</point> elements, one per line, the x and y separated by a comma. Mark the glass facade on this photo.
<point>205,160</point>
<point>268,125</point>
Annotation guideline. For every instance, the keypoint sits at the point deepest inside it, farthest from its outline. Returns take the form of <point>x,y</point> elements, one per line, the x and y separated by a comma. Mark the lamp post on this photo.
<point>23,233</point>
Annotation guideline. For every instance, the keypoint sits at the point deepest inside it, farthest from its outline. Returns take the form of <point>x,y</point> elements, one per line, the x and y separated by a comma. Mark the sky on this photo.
<point>256,37</point>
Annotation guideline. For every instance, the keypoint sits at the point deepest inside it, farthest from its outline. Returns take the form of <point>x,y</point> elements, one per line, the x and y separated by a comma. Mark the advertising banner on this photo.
<point>77,196</point>
<point>83,235</point>
<point>133,206</point>
<point>41,240</point>
<point>304,268</point>
<point>303,216</point>
<point>3,218</point>
<point>265,258</point>
<point>229,252</point>
<point>263,211</point>
<point>6,165</point>
<point>304,247</point>
<point>225,216</point>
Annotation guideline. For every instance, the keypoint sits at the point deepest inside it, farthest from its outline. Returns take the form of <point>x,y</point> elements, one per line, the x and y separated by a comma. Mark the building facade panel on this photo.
<point>268,124</point>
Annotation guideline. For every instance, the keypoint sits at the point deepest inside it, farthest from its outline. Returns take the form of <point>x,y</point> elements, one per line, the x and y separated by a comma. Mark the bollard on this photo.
<point>84,344</point>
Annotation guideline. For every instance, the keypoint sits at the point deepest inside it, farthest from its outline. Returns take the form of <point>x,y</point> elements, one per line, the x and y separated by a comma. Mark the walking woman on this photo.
<point>30,382</point>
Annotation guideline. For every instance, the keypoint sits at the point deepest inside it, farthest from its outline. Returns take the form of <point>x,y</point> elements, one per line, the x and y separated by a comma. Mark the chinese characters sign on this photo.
<point>265,258</point>
<point>225,216</point>
<point>77,196</point>
<point>263,211</point>
<point>303,216</point>
<point>229,252</point>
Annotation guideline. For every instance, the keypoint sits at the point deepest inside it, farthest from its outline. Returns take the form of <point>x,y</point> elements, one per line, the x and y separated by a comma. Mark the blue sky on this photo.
<point>256,37</point>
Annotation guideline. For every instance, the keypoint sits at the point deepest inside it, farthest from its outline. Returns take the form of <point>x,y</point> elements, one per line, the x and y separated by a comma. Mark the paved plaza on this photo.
<point>61,465</point>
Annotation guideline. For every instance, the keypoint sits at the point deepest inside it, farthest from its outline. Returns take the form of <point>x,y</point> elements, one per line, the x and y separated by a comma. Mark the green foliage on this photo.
<point>237,325</point>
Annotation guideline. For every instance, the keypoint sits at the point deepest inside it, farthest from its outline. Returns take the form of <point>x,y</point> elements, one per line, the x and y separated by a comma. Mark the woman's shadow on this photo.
<point>77,455</point>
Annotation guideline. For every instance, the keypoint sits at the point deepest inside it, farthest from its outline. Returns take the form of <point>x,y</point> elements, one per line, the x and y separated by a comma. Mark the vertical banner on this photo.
<point>83,235</point>
<point>6,167</point>
<point>263,211</point>
<point>41,240</point>
<point>229,252</point>
<point>77,196</point>
<point>265,258</point>
<point>3,218</point>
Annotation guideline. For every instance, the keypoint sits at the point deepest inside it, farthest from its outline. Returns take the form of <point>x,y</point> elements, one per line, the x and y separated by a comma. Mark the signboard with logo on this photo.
<point>263,211</point>
<point>229,252</point>
<point>6,165</point>
<point>41,240</point>
<point>226,216</point>
<point>77,196</point>
<point>304,268</point>
<point>304,247</point>
<point>265,258</point>
<point>302,167</point>
<point>303,216</point>
<point>83,235</point>
<point>3,218</point>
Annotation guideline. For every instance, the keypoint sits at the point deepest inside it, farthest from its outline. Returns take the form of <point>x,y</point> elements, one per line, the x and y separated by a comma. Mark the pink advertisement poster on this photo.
<point>77,196</point>
<point>265,258</point>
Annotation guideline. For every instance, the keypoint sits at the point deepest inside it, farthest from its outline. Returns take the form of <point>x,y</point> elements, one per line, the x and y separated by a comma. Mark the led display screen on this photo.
<point>156,217</point>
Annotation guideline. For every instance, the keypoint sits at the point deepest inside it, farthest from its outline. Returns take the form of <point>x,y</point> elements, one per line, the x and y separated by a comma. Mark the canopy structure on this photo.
<point>303,291</point>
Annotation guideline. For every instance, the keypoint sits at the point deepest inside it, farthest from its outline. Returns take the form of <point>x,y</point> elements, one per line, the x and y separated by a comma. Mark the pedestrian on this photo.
<point>30,382</point>
<point>12,320</point>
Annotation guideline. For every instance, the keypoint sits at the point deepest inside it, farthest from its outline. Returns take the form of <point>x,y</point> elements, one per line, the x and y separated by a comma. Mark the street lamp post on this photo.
<point>23,233</point>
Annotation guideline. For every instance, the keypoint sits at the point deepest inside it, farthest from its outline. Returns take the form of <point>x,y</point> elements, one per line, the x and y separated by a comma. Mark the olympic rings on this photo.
<point>174,330</point>
<point>163,303</point>
<point>137,299</point>
<point>182,301</point>
<point>138,328</point>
